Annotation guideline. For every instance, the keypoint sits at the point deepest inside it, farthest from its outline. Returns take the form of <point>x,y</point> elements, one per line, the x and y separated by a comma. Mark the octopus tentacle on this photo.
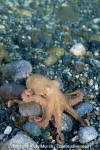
<point>34,98</point>
<point>72,112</point>
<point>74,98</point>
<point>46,116</point>
<point>12,102</point>
<point>58,119</point>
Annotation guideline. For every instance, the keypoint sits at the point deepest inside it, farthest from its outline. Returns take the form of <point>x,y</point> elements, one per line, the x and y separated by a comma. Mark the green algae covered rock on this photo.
<point>53,55</point>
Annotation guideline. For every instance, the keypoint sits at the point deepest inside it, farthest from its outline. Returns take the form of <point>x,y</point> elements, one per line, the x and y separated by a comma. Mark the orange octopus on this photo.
<point>53,102</point>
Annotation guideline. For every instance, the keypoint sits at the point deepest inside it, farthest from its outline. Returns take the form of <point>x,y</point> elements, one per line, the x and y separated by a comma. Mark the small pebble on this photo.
<point>8,130</point>
<point>87,134</point>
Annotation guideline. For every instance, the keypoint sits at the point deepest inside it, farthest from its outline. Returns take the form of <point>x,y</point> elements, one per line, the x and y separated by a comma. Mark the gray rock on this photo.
<point>32,129</point>
<point>11,90</point>
<point>83,109</point>
<point>29,109</point>
<point>17,69</point>
<point>67,123</point>
<point>20,142</point>
<point>87,134</point>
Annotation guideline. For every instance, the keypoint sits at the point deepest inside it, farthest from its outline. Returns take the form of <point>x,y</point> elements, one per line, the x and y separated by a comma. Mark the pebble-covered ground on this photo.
<point>59,39</point>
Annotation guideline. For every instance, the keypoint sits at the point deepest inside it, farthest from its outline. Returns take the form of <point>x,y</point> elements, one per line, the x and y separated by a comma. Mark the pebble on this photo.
<point>79,66</point>
<point>84,108</point>
<point>67,123</point>
<point>87,134</point>
<point>17,69</point>
<point>78,49</point>
<point>8,130</point>
<point>95,63</point>
<point>32,129</point>
<point>20,142</point>
<point>90,82</point>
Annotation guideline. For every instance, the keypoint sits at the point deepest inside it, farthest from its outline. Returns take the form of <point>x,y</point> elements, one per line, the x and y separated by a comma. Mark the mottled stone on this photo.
<point>87,134</point>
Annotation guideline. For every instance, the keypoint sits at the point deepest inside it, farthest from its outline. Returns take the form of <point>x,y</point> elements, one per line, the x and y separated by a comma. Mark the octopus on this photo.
<point>53,102</point>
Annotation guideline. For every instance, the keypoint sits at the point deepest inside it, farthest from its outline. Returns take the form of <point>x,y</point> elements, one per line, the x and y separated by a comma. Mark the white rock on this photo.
<point>87,134</point>
<point>78,49</point>
<point>8,130</point>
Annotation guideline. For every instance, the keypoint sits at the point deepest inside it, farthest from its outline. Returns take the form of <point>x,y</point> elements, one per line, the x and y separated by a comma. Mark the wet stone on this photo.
<point>84,108</point>
<point>87,134</point>
<point>32,129</point>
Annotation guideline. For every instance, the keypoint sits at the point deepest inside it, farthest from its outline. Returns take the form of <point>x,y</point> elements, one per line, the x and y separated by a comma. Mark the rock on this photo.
<point>30,109</point>
<point>4,55</point>
<point>9,91</point>
<point>20,142</point>
<point>50,60</point>
<point>84,108</point>
<point>87,134</point>
<point>67,123</point>
<point>17,69</point>
<point>78,49</point>
<point>58,51</point>
<point>8,130</point>
<point>79,66</point>
<point>32,129</point>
